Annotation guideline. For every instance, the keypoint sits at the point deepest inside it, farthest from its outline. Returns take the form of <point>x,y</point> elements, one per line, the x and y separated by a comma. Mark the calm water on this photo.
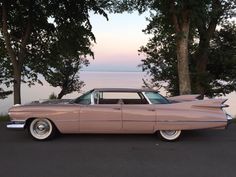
<point>93,80</point>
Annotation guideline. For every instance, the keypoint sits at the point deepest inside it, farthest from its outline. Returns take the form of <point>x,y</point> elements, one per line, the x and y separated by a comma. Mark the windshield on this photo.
<point>84,99</point>
<point>156,98</point>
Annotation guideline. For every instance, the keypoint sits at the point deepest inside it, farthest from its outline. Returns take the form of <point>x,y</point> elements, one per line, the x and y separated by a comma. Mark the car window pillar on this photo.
<point>145,96</point>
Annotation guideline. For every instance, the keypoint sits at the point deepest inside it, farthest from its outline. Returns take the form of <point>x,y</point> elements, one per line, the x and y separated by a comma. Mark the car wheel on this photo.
<point>170,135</point>
<point>41,129</point>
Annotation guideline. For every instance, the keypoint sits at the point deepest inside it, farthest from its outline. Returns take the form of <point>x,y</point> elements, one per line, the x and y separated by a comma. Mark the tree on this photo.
<point>65,76</point>
<point>179,13</point>
<point>214,13</point>
<point>182,19</point>
<point>16,37</point>
<point>160,61</point>
<point>221,66</point>
<point>219,78</point>
<point>204,17</point>
<point>174,13</point>
<point>27,31</point>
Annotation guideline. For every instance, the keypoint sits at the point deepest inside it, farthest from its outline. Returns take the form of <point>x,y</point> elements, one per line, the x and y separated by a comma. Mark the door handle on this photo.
<point>116,108</point>
<point>151,109</point>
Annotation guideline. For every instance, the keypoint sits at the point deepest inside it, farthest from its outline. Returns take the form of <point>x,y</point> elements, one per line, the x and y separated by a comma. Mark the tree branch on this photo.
<point>26,35</point>
<point>24,42</point>
<point>216,13</point>
<point>174,17</point>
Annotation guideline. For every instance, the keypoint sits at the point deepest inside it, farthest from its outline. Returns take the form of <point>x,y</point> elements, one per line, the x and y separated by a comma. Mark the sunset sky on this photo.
<point>118,41</point>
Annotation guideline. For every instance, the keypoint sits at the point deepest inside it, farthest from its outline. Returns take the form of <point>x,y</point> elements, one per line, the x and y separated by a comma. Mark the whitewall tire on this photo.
<point>41,129</point>
<point>170,135</point>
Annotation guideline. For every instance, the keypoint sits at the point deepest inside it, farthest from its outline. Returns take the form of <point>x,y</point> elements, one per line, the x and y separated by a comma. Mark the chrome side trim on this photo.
<point>195,121</point>
<point>16,125</point>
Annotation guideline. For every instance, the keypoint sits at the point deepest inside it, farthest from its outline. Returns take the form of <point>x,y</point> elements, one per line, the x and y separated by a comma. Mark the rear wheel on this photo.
<point>42,129</point>
<point>170,135</point>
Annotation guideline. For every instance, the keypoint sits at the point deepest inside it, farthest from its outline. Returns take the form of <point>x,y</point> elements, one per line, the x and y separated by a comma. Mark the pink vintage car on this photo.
<point>120,110</point>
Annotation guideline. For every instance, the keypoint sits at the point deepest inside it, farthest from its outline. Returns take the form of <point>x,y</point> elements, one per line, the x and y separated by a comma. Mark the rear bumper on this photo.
<point>229,119</point>
<point>16,125</point>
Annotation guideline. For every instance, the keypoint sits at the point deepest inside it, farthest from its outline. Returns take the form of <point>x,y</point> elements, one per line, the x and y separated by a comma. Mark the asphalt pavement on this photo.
<point>201,153</point>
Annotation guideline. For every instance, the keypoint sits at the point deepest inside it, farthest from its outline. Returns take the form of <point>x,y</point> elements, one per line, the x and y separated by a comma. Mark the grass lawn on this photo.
<point>4,118</point>
<point>234,120</point>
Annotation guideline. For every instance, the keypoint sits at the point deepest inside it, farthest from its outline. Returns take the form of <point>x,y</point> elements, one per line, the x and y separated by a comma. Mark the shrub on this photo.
<point>4,118</point>
<point>52,96</point>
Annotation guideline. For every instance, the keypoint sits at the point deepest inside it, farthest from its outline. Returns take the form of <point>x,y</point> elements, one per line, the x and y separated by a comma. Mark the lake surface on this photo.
<point>93,80</point>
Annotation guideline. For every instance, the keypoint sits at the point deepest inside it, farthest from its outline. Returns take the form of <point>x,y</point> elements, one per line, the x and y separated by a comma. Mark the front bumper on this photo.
<point>16,125</point>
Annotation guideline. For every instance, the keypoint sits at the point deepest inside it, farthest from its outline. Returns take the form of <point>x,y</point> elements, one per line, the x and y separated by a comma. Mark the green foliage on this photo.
<point>222,61</point>
<point>234,120</point>
<point>4,118</point>
<point>161,63</point>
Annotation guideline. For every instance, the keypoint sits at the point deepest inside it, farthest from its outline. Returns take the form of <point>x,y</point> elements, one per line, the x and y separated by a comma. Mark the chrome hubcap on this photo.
<point>41,127</point>
<point>169,132</point>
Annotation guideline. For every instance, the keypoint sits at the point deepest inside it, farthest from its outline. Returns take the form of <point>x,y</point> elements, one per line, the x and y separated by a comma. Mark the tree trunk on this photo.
<point>206,34</point>
<point>181,23</point>
<point>201,67</point>
<point>61,94</point>
<point>17,86</point>
<point>183,65</point>
<point>17,58</point>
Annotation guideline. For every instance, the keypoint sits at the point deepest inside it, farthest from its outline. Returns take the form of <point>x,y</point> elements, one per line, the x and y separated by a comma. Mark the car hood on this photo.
<point>19,107</point>
<point>53,101</point>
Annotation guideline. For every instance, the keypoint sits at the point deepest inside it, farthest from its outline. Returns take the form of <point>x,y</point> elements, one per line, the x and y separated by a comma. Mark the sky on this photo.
<point>117,42</point>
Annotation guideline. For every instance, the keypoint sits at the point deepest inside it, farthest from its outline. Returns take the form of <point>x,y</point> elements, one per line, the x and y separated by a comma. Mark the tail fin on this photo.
<point>212,103</point>
<point>183,98</point>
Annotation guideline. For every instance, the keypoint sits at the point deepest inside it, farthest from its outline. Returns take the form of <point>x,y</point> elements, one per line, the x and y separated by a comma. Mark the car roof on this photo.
<point>123,90</point>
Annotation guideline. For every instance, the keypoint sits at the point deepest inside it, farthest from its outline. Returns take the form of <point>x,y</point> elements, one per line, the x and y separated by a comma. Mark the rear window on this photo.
<point>156,98</point>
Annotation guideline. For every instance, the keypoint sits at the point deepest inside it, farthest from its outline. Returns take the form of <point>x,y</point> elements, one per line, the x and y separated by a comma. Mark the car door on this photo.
<point>100,118</point>
<point>138,118</point>
<point>138,115</point>
<point>95,117</point>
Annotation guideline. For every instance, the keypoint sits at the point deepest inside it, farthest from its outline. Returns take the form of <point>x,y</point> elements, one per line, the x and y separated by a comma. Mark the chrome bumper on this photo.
<point>16,125</point>
<point>229,119</point>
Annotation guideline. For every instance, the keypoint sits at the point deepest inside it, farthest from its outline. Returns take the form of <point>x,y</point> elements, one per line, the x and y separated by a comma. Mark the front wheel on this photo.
<point>170,135</point>
<point>41,129</point>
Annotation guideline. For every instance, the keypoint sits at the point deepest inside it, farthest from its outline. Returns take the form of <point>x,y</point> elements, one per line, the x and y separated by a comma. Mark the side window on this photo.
<point>84,99</point>
<point>156,98</point>
<point>121,98</point>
